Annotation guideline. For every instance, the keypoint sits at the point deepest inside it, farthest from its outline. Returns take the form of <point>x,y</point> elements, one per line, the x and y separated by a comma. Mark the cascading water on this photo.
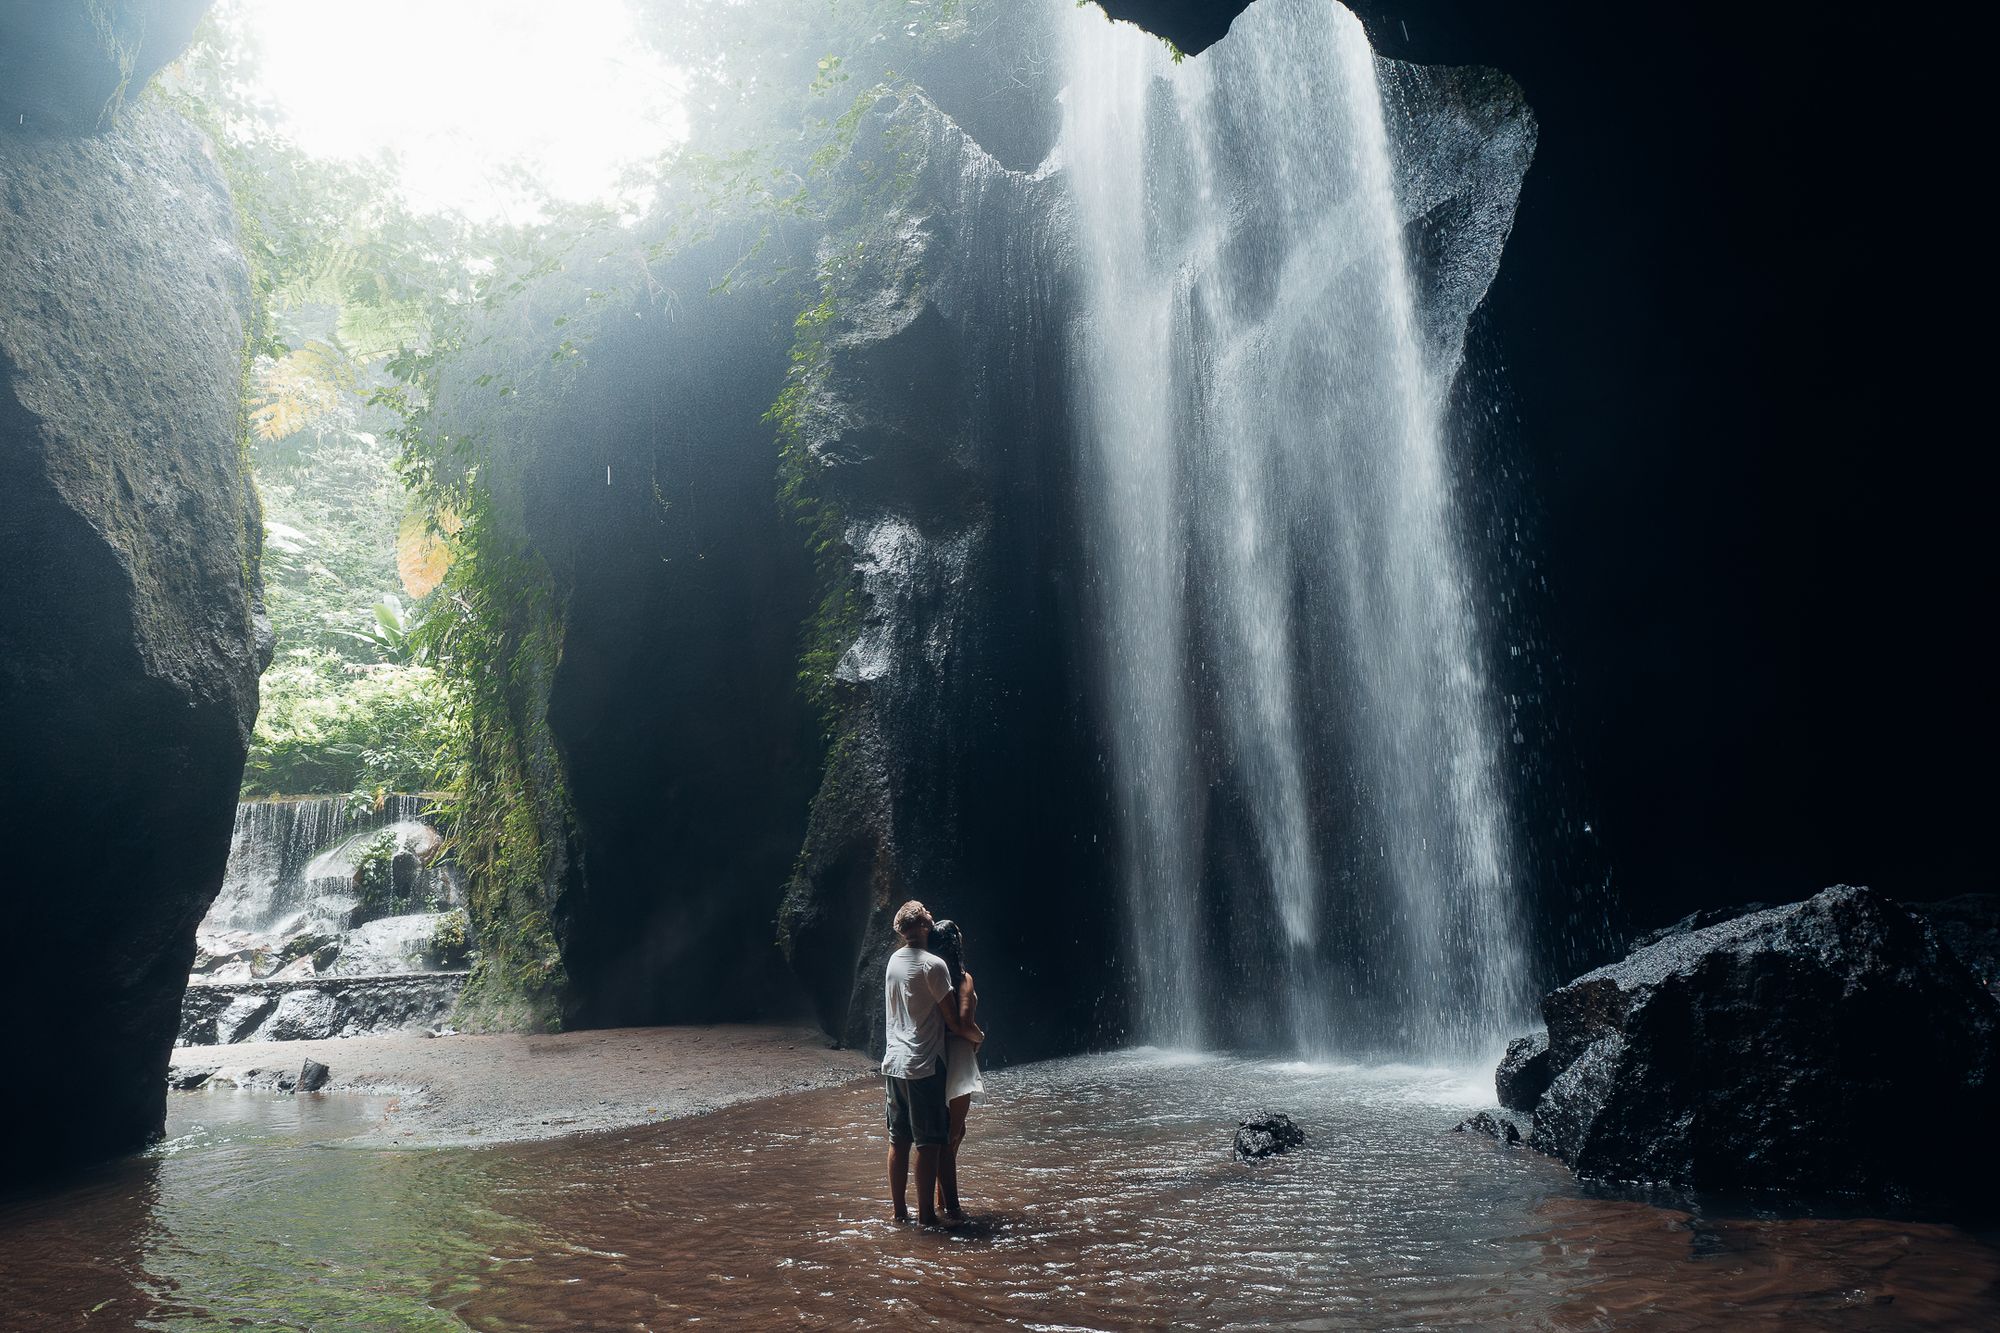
<point>290,861</point>
<point>293,948</point>
<point>1304,765</point>
<point>291,874</point>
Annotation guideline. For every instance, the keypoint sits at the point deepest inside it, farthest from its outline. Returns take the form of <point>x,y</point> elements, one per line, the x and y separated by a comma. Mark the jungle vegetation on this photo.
<point>415,626</point>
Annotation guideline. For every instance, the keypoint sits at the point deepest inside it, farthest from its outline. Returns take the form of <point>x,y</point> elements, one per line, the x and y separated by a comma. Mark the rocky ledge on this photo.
<point>1832,1047</point>
<point>313,1009</point>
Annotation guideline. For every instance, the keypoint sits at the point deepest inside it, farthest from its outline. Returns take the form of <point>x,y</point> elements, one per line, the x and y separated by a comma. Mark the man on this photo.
<point>920,1011</point>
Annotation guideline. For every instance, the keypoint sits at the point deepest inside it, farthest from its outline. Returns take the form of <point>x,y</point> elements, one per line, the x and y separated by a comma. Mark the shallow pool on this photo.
<point>1102,1192</point>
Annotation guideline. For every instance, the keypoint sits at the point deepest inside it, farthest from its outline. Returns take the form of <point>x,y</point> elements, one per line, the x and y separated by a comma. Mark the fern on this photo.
<point>370,331</point>
<point>322,282</point>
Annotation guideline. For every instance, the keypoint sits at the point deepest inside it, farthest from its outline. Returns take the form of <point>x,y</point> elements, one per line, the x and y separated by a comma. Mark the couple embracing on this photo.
<point>930,1068</point>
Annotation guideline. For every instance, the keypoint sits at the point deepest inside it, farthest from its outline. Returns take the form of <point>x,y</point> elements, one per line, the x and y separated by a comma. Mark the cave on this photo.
<point>1363,557</point>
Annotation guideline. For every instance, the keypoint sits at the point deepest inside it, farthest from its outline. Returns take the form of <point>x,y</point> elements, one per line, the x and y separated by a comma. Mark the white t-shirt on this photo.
<point>916,981</point>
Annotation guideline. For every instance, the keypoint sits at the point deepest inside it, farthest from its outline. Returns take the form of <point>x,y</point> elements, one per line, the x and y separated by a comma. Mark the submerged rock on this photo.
<point>1524,1073</point>
<point>1492,1126</point>
<point>1832,1046</point>
<point>1267,1134</point>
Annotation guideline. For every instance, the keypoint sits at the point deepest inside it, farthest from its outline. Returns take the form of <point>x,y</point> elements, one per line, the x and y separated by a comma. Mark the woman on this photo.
<point>961,1061</point>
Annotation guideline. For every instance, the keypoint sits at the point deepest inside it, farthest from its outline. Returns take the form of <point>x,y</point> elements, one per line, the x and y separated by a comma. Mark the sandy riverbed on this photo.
<point>466,1089</point>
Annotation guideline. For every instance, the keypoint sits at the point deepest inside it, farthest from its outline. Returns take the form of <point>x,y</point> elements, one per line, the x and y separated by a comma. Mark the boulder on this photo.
<point>189,1078</point>
<point>313,1076</point>
<point>1697,920</point>
<point>299,969</point>
<point>1524,1072</point>
<point>240,1018</point>
<point>1828,1047</point>
<point>1492,1126</point>
<point>129,608</point>
<point>303,1015</point>
<point>1267,1134</point>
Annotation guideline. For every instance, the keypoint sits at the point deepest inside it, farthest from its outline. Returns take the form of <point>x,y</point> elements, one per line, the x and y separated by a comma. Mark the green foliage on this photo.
<point>449,942</point>
<point>384,385</point>
<point>375,878</point>
<point>343,276</point>
<point>328,725</point>
<point>393,635</point>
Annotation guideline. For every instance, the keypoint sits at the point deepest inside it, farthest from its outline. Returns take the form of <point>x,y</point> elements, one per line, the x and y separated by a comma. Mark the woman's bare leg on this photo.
<point>948,1161</point>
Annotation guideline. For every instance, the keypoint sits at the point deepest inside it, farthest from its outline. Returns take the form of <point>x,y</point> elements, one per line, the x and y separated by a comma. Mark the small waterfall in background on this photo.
<point>1299,736</point>
<point>295,947</point>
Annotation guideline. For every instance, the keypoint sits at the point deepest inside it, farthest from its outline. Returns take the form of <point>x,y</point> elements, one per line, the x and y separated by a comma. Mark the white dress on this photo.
<point>961,1069</point>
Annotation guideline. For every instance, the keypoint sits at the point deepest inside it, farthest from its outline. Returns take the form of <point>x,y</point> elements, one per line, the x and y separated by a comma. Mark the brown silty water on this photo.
<point>1102,1192</point>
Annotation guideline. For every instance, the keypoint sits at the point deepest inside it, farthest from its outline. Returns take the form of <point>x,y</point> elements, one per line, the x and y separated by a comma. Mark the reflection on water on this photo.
<point>1103,1197</point>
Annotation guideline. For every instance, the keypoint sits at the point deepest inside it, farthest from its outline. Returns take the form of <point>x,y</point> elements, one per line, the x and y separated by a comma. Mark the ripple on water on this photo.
<point>1103,1197</point>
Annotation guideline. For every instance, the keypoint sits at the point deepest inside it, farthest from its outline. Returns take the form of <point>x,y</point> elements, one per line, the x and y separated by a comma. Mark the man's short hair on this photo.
<point>911,914</point>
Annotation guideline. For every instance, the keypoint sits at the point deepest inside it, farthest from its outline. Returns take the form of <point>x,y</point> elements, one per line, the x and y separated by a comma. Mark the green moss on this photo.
<point>450,939</point>
<point>837,610</point>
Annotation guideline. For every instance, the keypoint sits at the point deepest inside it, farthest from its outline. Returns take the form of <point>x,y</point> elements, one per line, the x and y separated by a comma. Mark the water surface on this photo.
<point>1103,1198</point>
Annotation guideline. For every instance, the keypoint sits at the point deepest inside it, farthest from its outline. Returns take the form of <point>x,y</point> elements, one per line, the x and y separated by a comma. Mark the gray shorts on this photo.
<point>915,1109</point>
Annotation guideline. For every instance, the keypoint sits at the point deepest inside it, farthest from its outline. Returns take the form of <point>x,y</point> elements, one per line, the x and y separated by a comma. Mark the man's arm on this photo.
<point>948,1011</point>
<point>948,1002</point>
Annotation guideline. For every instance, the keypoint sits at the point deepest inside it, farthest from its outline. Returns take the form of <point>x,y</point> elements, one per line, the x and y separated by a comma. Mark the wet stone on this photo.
<point>313,1076</point>
<point>1525,1072</point>
<point>1267,1134</point>
<point>1497,1127</point>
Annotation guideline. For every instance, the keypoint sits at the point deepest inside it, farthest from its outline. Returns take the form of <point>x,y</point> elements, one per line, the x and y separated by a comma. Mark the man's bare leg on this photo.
<point>927,1172</point>
<point>899,1176</point>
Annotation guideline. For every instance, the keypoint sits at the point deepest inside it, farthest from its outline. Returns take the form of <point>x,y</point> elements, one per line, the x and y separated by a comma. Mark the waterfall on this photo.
<point>291,875</point>
<point>285,857</point>
<point>1311,819</point>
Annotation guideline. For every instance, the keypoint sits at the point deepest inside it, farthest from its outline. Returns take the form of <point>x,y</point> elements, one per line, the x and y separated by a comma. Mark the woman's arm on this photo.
<point>968,1010</point>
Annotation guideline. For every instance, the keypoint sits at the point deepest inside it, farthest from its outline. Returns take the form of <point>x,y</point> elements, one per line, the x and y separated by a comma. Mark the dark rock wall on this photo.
<point>964,770</point>
<point>68,67</point>
<point>130,627</point>
<point>690,752</point>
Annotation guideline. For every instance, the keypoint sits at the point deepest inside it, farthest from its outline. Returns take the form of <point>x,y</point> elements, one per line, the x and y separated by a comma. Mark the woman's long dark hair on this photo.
<point>948,943</point>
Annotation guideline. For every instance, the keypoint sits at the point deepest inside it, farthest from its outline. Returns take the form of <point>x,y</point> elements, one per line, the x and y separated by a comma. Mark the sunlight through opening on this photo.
<point>484,105</point>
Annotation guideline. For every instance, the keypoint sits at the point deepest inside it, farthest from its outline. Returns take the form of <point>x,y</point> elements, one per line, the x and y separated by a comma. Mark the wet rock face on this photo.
<point>68,68</point>
<point>962,770</point>
<point>129,613</point>
<point>960,761</point>
<point>1829,1047</point>
<point>1524,1072</point>
<point>1497,1127</point>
